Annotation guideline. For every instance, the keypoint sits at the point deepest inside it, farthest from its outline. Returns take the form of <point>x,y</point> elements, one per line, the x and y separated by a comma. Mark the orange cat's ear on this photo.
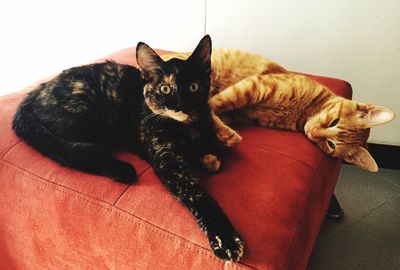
<point>373,115</point>
<point>363,159</point>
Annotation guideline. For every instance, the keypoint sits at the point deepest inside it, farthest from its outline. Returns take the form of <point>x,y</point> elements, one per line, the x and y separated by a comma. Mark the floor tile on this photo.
<point>369,235</point>
<point>359,192</point>
<point>391,176</point>
<point>371,243</point>
<point>314,264</point>
<point>384,223</point>
<point>355,250</point>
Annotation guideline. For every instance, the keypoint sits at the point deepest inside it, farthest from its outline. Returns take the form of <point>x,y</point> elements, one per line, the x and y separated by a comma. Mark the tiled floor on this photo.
<point>368,237</point>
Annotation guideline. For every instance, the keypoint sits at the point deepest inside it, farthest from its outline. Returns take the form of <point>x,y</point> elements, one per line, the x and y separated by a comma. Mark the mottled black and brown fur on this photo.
<point>80,115</point>
<point>160,113</point>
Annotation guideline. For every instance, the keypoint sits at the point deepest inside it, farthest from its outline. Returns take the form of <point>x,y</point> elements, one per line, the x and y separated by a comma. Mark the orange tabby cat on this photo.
<point>254,89</point>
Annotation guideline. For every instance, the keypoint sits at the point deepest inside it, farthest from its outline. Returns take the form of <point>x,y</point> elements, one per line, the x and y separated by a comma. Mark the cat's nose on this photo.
<point>314,133</point>
<point>178,107</point>
<point>179,103</point>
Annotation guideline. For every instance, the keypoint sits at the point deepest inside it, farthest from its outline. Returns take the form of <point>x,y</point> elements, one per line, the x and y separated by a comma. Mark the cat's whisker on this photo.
<point>144,120</point>
<point>155,119</point>
<point>149,117</point>
<point>158,118</point>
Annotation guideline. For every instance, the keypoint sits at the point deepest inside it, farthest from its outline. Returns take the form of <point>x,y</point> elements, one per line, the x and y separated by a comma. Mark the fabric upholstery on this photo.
<point>275,188</point>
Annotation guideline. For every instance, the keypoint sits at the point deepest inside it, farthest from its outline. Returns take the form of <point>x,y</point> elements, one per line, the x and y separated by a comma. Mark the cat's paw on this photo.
<point>122,172</point>
<point>229,137</point>
<point>211,163</point>
<point>228,247</point>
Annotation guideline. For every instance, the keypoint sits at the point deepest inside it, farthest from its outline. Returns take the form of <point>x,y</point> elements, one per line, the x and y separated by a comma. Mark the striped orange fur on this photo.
<point>252,89</point>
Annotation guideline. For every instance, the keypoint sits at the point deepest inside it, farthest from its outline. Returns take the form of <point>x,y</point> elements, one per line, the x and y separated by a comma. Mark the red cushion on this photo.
<point>275,187</point>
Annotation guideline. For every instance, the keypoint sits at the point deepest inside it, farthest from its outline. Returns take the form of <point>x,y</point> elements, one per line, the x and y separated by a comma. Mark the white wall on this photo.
<point>356,40</point>
<point>42,37</point>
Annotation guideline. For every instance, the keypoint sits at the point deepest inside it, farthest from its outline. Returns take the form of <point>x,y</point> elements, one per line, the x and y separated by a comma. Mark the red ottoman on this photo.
<point>275,187</point>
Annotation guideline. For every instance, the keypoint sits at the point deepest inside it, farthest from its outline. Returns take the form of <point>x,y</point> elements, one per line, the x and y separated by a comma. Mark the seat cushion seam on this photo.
<point>124,191</point>
<point>8,150</point>
<point>116,210</point>
<point>281,154</point>
<point>301,220</point>
<point>29,174</point>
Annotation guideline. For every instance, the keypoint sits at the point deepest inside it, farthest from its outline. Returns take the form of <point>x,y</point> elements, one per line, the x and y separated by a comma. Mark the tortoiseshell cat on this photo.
<point>253,89</point>
<point>78,117</point>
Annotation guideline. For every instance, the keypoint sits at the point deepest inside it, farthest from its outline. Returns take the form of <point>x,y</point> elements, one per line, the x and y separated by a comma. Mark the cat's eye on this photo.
<point>194,87</point>
<point>331,144</point>
<point>165,89</point>
<point>334,122</point>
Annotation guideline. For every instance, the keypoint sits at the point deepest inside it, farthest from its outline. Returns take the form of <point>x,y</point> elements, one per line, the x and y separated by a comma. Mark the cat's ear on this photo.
<point>363,159</point>
<point>202,54</point>
<point>373,115</point>
<point>147,59</point>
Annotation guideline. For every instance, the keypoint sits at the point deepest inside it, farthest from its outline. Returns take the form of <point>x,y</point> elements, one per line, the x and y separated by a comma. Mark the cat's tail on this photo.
<point>35,134</point>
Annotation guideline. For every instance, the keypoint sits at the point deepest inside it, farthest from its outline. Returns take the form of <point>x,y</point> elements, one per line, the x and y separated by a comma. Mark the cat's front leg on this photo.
<point>247,92</point>
<point>172,168</point>
<point>225,134</point>
<point>205,150</point>
<point>211,162</point>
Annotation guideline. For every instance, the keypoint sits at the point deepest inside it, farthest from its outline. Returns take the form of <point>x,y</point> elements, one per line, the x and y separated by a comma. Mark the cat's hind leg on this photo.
<point>84,156</point>
<point>108,166</point>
